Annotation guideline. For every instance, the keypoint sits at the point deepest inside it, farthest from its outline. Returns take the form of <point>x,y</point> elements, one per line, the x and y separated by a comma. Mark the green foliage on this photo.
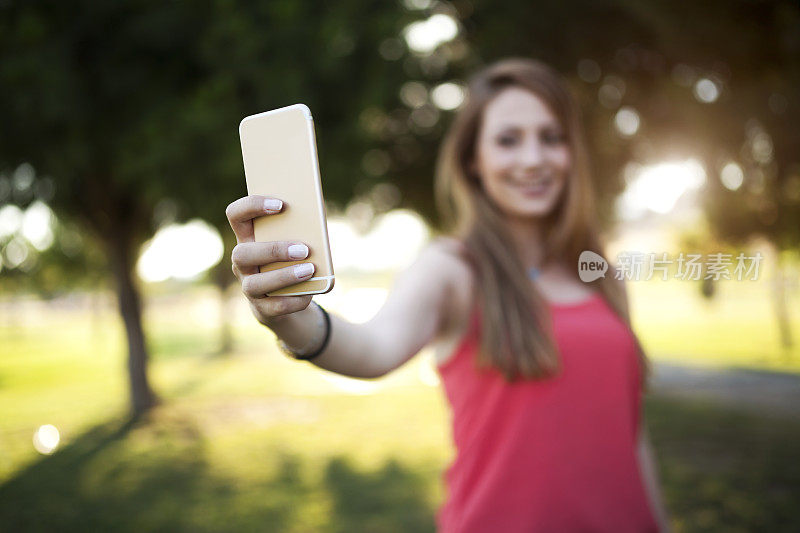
<point>133,103</point>
<point>143,99</point>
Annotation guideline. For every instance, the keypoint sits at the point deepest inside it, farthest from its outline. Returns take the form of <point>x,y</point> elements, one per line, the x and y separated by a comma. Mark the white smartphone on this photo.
<point>280,160</point>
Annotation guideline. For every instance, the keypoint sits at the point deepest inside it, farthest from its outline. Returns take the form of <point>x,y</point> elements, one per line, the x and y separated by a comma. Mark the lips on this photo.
<point>535,187</point>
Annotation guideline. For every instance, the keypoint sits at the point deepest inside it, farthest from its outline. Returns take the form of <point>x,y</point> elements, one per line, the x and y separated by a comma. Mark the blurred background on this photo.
<point>119,153</point>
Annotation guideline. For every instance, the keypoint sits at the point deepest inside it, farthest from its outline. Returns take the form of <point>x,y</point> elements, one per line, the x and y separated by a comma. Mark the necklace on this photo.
<point>533,273</point>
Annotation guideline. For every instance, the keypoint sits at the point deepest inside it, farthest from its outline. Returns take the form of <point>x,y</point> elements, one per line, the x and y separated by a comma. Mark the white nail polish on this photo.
<point>271,204</point>
<point>298,251</point>
<point>303,270</point>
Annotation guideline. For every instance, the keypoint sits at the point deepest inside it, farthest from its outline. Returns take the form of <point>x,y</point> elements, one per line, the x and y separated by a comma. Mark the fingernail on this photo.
<point>303,270</point>
<point>298,251</point>
<point>271,204</point>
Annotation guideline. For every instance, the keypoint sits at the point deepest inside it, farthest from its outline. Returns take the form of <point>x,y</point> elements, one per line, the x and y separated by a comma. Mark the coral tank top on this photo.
<point>553,455</point>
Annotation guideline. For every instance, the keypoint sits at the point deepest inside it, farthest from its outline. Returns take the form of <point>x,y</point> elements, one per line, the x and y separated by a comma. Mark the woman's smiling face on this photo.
<point>522,154</point>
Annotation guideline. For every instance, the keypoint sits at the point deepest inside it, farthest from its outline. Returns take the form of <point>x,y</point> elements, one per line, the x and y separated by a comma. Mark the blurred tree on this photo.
<point>129,103</point>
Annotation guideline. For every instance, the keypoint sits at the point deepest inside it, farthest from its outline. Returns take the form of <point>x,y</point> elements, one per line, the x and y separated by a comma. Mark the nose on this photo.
<point>531,155</point>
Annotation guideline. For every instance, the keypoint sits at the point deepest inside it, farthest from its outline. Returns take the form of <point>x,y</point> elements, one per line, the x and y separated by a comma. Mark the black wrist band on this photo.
<point>324,341</point>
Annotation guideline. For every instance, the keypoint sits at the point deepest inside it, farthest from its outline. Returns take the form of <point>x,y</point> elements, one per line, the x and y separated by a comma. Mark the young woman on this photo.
<point>543,373</point>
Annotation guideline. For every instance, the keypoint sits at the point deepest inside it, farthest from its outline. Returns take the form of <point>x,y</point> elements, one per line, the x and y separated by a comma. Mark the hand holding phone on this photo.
<point>280,161</point>
<point>283,256</point>
<point>249,255</point>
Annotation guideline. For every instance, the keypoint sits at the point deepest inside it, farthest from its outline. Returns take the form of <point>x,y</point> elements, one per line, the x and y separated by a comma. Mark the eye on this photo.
<point>553,137</point>
<point>507,139</point>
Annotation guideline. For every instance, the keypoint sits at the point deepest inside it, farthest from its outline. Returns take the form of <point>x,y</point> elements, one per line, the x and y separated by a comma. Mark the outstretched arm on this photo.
<point>409,320</point>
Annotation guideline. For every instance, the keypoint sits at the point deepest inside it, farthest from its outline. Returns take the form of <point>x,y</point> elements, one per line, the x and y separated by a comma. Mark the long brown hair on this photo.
<point>510,340</point>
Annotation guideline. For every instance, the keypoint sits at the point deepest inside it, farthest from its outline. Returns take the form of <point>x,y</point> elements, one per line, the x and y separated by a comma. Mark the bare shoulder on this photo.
<point>436,274</point>
<point>450,254</point>
<point>456,273</point>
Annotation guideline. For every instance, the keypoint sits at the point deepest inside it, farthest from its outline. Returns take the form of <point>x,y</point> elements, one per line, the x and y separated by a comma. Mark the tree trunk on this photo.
<point>122,263</point>
<point>222,280</point>
<point>781,309</point>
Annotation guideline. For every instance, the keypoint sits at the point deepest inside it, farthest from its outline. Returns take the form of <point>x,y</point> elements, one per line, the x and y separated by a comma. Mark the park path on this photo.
<point>758,391</point>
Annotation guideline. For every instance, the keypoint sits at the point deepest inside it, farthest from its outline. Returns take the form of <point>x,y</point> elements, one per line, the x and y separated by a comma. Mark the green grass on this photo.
<point>255,442</point>
<point>735,328</point>
<point>246,442</point>
<point>724,470</point>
